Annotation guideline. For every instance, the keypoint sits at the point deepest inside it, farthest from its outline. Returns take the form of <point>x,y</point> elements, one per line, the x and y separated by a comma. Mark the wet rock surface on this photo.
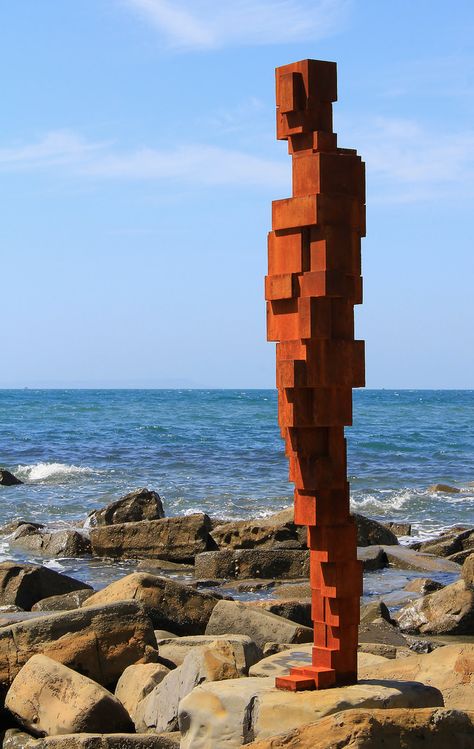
<point>141,504</point>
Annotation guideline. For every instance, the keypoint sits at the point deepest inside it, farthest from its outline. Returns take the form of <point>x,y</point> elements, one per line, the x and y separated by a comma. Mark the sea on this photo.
<point>220,452</point>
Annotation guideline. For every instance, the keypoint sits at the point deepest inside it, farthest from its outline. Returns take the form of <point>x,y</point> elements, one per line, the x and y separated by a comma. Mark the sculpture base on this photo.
<point>303,678</point>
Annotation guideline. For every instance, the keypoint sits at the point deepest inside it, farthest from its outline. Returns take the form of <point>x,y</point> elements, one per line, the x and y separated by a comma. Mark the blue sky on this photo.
<point>138,162</point>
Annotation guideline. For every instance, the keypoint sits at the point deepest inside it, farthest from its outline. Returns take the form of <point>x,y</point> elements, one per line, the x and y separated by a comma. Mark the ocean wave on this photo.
<point>397,501</point>
<point>50,471</point>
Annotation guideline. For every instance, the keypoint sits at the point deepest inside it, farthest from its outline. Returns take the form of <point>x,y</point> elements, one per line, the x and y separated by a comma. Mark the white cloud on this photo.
<point>209,24</point>
<point>407,162</point>
<point>195,163</point>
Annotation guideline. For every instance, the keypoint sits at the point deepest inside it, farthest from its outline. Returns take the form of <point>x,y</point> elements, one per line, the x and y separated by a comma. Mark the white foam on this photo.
<point>53,564</point>
<point>50,471</point>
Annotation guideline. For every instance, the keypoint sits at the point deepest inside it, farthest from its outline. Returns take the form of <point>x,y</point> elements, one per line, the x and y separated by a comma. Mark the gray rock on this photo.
<point>25,584</point>
<point>260,625</point>
<point>454,541</point>
<point>252,563</point>
<point>400,529</point>
<point>372,558</point>
<point>446,611</point>
<point>65,602</point>
<point>373,611</point>
<point>108,741</point>
<point>405,558</point>
<point>177,539</point>
<point>99,642</point>
<point>370,532</point>
<point>13,525</point>
<point>8,479</point>
<point>141,504</point>
<point>13,738</point>
<point>298,611</point>
<point>65,543</point>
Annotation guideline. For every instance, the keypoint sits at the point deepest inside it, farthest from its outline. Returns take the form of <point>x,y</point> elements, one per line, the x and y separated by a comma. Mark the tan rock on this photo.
<point>408,559</point>
<point>450,669</point>
<point>268,532</point>
<point>280,663</point>
<point>445,488</point>
<point>49,698</point>
<point>107,741</point>
<point>446,611</point>
<point>170,605</point>
<point>246,652</point>
<point>178,539</point>
<point>468,571</point>
<point>66,602</point>
<point>252,563</point>
<point>260,625</point>
<point>232,713</point>
<point>136,682</point>
<point>99,642</point>
<point>372,729</point>
<point>159,710</point>
<point>65,543</point>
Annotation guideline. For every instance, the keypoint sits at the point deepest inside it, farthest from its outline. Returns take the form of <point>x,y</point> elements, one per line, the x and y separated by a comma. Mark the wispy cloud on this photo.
<point>208,24</point>
<point>407,162</point>
<point>198,164</point>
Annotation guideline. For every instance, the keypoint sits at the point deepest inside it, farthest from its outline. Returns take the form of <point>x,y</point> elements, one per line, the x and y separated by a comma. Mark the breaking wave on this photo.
<point>50,471</point>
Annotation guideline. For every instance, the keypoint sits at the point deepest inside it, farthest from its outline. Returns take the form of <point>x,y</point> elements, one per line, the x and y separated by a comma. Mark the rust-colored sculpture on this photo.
<point>313,283</point>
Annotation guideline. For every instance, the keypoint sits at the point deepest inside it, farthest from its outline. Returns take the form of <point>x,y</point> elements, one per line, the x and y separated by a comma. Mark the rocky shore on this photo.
<point>183,651</point>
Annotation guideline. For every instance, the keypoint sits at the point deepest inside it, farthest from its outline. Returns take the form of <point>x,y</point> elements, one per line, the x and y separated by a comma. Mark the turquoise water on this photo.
<point>220,451</point>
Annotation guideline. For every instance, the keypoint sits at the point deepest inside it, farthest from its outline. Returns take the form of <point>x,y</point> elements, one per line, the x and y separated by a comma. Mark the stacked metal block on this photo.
<point>313,282</point>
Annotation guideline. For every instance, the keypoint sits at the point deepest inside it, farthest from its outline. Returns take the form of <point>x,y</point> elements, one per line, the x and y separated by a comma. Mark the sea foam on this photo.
<point>50,471</point>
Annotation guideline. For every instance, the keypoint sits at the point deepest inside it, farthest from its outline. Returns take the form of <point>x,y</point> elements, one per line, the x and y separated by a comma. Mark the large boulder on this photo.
<point>232,713</point>
<point>49,698</point>
<point>260,625</point>
<point>136,682</point>
<point>141,504</point>
<point>175,649</point>
<point>65,602</point>
<point>370,532</point>
<point>25,584</point>
<point>159,710</point>
<point>99,642</point>
<point>268,533</point>
<point>170,605</point>
<point>178,539</point>
<point>446,611</point>
<point>252,563</point>
<point>279,664</point>
<point>8,479</point>
<point>456,543</point>
<point>468,571</point>
<point>65,543</point>
<point>435,728</point>
<point>450,669</point>
<point>298,611</point>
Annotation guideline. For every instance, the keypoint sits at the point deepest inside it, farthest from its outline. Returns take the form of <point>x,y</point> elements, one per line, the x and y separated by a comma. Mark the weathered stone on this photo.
<point>400,529</point>
<point>25,584</point>
<point>13,525</point>
<point>381,631</point>
<point>372,558</point>
<point>279,664</point>
<point>261,533</point>
<point>370,532</point>
<point>246,652</point>
<point>295,611</point>
<point>445,488</point>
<point>178,539</point>
<point>141,504</point>
<point>165,634</point>
<point>170,605</point>
<point>13,738</point>
<point>450,669</point>
<point>8,479</point>
<point>370,729</point>
<point>65,602</point>
<point>468,571</point>
<point>156,566</point>
<point>108,741</point>
<point>99,642</point>
<point>405,558</point>
<point>375,610</point>
<point>423,585</point>
<point>456,540</point>
<point>251,563</point>
<point>159,710</point>
<point>446,611</point>
<point>136,682</point>
<point>295,589</point>
<point>49,698</point>
<point>66,543</point>
<point>380,649</point>
<point>232,713</point>
<point>261,626</point>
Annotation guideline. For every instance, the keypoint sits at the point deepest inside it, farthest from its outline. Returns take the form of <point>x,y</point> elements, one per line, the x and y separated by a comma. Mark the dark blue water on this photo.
<point>220,451</point>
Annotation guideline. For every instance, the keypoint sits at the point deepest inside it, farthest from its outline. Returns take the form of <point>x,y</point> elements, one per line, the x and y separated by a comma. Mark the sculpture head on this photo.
<point>305,91</point>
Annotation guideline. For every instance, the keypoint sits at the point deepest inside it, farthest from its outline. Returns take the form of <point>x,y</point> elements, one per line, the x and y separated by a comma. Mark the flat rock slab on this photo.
<point>409,559</point>
<point>232,713</point>
<point>279,664</point>
<point>107,741</point>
